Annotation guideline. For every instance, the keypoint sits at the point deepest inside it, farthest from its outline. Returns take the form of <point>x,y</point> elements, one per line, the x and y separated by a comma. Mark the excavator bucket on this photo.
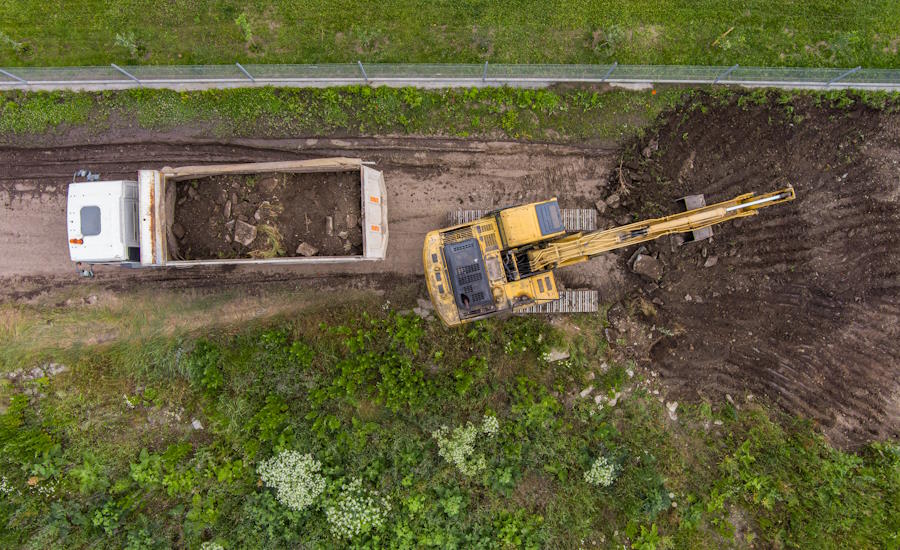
<point>691,202</point>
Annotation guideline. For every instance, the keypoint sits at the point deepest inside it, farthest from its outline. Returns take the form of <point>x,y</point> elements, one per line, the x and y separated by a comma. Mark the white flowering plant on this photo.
<point>490,425</point>
<point>602,472</point>
<point>457,446</point>
<point>296,478</point>
<point>356,511</point>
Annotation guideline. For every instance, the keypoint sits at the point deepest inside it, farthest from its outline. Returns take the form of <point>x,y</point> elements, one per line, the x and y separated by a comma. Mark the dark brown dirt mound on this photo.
<point>212,214</point>
<point>802,304</point>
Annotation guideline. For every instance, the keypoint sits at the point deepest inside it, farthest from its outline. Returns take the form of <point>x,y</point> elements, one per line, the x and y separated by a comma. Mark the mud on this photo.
<point>802,304</point>
<point>286,210</point>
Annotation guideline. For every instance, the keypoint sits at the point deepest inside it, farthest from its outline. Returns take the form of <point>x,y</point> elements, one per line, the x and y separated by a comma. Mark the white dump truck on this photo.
<point>329,210</point>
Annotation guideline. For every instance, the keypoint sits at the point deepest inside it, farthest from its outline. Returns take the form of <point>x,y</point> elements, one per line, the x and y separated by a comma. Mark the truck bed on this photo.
<point>316,211</point>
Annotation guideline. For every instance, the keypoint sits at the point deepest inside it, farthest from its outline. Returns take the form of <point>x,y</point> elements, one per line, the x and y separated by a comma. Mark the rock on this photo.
<point>615,399</point>
<point>599,398</point>
<point>671,406</point>
<point>268,184</point>
<point>688,298</point>
<point>352,220</point>
<point>647,267</point>
<point>704,252</point>
<point>53,369</point>
<point>624,219</point>
<point>196,424</point>
<point>233,198</point>
<point>91,300</point>
<point>347,246</point>
<point>557,355</point>
<point>591,375</point>
<point>711,261</point>
<point>306,249</point>
<point>229,228</point>
<point>601,207</point>
<point>425,304</point>
<point>193,194</point>
<point>613,200</point>
<point>221,196</point>
<point>244,233</point>
<point>178,230</point>
<point>36,372</point>
<point>586,391</point>
<point>641,250</point>
<point>718,422</point>
<point>227,210</point>
<point>651,148</point>
<point>329,225</point>
<point>423,313</point>
<point>343,235</point>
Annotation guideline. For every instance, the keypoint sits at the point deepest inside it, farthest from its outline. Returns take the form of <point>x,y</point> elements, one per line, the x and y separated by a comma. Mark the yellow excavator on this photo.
<point>503,262</point>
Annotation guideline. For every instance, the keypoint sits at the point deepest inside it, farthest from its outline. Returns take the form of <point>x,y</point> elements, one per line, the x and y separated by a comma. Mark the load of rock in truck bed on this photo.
<point>266,216</point>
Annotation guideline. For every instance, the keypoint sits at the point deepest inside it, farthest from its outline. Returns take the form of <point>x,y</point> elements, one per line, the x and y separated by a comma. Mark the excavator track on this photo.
<point>574,219</point>
<point>570,301</point>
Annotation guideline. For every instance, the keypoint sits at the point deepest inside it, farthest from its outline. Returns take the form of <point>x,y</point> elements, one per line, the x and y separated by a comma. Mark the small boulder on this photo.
<point>178,230</point>
<point>268,184</point>
<point>423,313</point>
<point>244,233</point>
<point>711,261</point>
<point>306,249</point>
<point>227,210</point>
<point>601,207</point>
<point>647,267</point>
<point>671,406</point>
<point>195,424</point>
<point>221,196</point>
<point>586,392</point>
<point>352,220</point>
<point>343,235</point>
<point>557,355</point>
<point>613,200</point>
<point>91,300</point>
<point>329,225</point>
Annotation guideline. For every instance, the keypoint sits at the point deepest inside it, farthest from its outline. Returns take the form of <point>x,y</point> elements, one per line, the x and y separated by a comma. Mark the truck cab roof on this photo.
<point>101,220</point>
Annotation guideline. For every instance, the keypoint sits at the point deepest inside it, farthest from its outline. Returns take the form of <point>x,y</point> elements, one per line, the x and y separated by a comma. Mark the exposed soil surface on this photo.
<point>800,304</point>
<point>284,211</point>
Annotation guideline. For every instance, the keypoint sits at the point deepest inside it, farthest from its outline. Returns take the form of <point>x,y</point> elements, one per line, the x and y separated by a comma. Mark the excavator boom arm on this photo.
<point>579,247</point>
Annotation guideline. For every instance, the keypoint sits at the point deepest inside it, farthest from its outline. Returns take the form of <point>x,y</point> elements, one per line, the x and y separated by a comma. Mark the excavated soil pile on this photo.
<point>800,304</point>
<point>267,216</point>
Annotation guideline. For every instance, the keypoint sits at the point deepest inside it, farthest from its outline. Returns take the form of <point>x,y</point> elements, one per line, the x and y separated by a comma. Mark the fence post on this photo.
<point>14,77</point>
<point>246,72</point>
<point>126,73</point>
<point>842,76</point>
<point>361,68</point>
<point>609,72</point>
<point>725,73</point>
<point>484,74</point>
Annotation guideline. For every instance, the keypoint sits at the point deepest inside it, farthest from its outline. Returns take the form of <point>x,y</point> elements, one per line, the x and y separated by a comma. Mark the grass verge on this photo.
<point>423,436</point>
<point>564,114</point>
<point>714,32</point>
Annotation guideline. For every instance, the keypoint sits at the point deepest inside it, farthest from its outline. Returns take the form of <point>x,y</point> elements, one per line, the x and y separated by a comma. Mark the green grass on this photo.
<point>363,388</point>
<point>765,32</point>
<point>570,114</point>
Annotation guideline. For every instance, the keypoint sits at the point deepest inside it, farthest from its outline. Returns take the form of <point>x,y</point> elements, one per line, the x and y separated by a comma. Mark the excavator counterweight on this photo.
<point>504,261</point>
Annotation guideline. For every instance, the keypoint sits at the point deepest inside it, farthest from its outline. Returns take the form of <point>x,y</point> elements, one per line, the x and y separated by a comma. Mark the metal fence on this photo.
<point>437,75</point>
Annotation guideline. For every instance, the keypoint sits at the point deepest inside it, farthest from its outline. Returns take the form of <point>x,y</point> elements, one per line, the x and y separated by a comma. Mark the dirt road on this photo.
<point>426,178</point>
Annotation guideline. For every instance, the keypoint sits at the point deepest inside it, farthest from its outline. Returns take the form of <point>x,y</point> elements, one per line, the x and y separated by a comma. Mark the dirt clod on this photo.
<point>244,233</point>
<point>305,249</point>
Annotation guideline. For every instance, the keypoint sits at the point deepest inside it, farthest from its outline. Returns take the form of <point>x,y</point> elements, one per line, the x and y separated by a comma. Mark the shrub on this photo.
<point>356,511</point>
<point>295,478</point>
<point>458,446</point>
<point>602,472</point>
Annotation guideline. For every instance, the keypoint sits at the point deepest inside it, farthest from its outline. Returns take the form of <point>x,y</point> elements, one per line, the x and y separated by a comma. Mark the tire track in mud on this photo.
<point>803,305</point>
